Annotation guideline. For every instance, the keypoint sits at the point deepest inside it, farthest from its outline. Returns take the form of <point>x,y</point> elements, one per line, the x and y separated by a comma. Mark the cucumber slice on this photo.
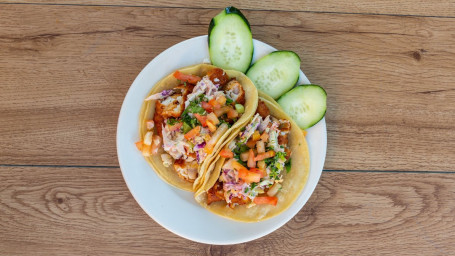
<point>306,104</point>
<point>275,73</point>
<point>230,40</point>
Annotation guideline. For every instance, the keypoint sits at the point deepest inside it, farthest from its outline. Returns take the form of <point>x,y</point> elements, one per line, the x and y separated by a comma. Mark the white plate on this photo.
<point>172,208</point>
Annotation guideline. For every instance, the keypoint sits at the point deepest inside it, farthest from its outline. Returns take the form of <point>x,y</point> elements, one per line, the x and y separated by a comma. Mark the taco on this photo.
<point>261,168</point>
<point>187,114</point>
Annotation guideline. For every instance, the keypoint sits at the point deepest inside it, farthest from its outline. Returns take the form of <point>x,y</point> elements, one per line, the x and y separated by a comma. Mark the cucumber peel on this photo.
<point>230,40</point>
<point>275,73</point>
<point>306,104</point>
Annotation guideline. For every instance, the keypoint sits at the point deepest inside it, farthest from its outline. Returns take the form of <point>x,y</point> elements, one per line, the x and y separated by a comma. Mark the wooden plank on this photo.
<point>66,69</point>
<point>403,7</point>
<point>79,211</point>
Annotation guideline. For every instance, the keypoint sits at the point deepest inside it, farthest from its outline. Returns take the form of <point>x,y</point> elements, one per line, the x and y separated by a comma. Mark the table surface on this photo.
<point>388,185</point>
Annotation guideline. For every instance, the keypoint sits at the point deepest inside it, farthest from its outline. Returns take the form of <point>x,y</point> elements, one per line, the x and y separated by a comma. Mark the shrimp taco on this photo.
<point>260,169</point>
<point>187,115</point>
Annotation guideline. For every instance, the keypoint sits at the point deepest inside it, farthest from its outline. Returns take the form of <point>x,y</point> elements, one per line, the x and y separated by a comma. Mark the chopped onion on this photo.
<point>260,146</point>
<point>274,189</point>
<point>160,95</point>
<point>212,118</point>
<point>244,156</point>
<point>148,138</point>
<point>150,124</point>
<point>199,146</point>
<point>261,165</point>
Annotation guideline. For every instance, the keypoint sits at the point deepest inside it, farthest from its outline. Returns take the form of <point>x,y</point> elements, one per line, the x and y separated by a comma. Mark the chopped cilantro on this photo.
<point>194,107</point>
<point>241,162</point>
<point>189,122</point>
<point>228,101</point>
<point>171,121</point>
<point>202,98</point>
<point>275,165</point>
<point>253,185</point>
<point>240,148</point>
<point>269,161</point>
<point>222,121</point>
<point>274,172</point>
<point>288,166</point>
<point>281,155</point>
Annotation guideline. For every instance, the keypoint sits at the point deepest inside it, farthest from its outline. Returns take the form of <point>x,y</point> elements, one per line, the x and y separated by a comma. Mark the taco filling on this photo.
<point>190,118</point>
<point>255,162</point>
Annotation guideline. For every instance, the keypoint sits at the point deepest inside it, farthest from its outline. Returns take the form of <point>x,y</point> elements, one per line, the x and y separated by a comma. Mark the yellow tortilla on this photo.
<point>168,174</point>
<point>293,183</point>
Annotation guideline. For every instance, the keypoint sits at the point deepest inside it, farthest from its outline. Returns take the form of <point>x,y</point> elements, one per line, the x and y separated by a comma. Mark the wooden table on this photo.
<point>388,185</point>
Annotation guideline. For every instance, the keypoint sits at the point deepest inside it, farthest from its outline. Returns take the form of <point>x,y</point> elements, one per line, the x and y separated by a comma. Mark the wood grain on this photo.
<point>89,211</point>
<point>389,80</point>
<point>402,7</point>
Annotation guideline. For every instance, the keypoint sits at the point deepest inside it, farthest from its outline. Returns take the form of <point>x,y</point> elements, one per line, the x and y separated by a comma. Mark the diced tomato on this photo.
<point>231,114</point>
<point>261,172</point>
<point>220,111</point>
<point>226,153</point>
<point>214,103</point>
<point>192,79</point>
<point>248,176</point>
<point>139,145</point>
<point>211,126</point>
<point>250,143</point>
<point>272,200</point>
<point>193,132</point>
<point>251,163</point>
<point>264,136</point>
<point>201,119</point>
<point>265,155</point>
<point>176,126</point>
<point>207,106</point>
<point>156,144</point>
